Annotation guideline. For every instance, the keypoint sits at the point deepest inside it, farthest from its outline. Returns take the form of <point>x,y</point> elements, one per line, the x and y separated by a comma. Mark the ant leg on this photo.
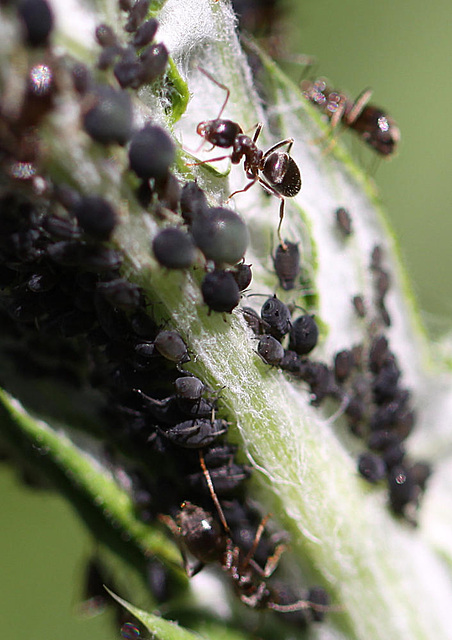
<point>273,560</point>
<point>212,492</point>
<point>196,164</point>
<point>301,605</point>
<point>257,132</point>
<point>257,537</point>
<point>278,145</point>
<point>358,106</point>
<point>222,86</point>
<point>258,597</point>
<point>248,186</point>
<point>273,192</point>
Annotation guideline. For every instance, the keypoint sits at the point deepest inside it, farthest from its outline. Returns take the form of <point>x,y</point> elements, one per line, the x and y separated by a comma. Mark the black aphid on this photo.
<point>286,262</point>
<point>194,434</point>
<point>193,201</point>
<point>221,235</point>
<point>37,18</point>
<point>153,62</point>
<point>304,335</point>
<point>220,291</point>
<point>343,220</point>
<point>109,120</point>
<point>189,387</point>
<point>171,346</point>
<point>253,320</point>
<point>371,467</point>
<point>145,34</point>
<point>151,153</point>
<point>174,248</point>
<point>96,217</point>
<point>121,293</point>
<point>91,257</point>
<point>242,275</point>
<point>343,364</point>
<point>360,307</point>
<point>270,350</point>
<point>276,316</point>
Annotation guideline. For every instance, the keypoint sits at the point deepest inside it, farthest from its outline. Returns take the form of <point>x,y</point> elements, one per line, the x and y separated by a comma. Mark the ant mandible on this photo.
<point>280,173</point>
<point>203,538</point>
<point>371,123</point>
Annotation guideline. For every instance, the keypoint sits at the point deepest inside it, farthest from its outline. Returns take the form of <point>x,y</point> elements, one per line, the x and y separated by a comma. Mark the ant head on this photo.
<point>202,128</point>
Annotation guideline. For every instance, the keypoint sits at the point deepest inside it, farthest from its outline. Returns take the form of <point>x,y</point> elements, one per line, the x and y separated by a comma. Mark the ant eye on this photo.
<point>220,291</point>
<point>303,335</point>
<point>221,235</point>
<point>110,119</point>
<point>151,153</point>
<point>174,249</point>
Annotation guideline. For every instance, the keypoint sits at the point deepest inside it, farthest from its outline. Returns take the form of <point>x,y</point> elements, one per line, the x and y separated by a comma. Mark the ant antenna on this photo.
<point>222,86</point>
<point>212,493</point>
<point>301,605</point>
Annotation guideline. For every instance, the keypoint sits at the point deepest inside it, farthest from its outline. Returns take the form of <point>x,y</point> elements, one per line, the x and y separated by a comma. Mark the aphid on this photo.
<point>193,202</point>
<point>173,409</point>
<point>371,467</point>
<point>372,124</point>
<point>174,248</point>
<point>220,291</point>
<point>194,434</point>
<point>253,320</point>
<point>37,18</point>
<point>402,488</point>
<point>151,153</point>
<point>96,217</point>
<point>304,335</point>
<point>105,35</point>
<point>90,257</point>
<point>137,14</point>
<point>189,388</point>
<point>360,307</point>
<point>171,346</point>
<point>280,173</point>
<point>242,275</point>
<point>276,316</point>
<point>121,293</point>
<point>286,262</point>
<point>109,117</point>
<point>145,34</point>
<point>270,350</point>
<point>153,62</point>
<point>344,221</point>
<point>221,235</point>
<point>290,362</point>
<point>343,363</point>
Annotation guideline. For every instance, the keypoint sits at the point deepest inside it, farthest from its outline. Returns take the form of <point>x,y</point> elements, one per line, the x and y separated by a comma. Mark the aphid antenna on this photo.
<point>212,493</point>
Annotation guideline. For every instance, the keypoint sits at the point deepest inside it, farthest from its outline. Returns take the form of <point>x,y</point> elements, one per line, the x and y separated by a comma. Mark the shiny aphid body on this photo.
<point>372,124</point>
<point>280,173</point>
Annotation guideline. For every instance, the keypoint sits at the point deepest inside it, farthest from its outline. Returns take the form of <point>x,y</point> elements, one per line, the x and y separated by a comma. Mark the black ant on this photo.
<point>202,536</point>
<point>281,175</point>
<point>371,123</point>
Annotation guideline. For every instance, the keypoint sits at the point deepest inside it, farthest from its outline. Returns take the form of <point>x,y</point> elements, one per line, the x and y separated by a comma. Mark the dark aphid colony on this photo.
<point>73,311</point>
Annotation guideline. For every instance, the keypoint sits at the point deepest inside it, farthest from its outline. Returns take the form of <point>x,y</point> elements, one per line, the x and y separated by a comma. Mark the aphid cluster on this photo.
<point>68,312</point>
<point>364,380</point>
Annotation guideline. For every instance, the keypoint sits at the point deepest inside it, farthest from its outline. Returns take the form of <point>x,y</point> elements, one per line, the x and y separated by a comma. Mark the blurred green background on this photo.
<point>403,51</point>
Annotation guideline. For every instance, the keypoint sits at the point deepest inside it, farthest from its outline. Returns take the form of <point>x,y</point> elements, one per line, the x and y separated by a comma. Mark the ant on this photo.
<point>202,536</point>
<point>280,173</point>
<point>371,123</point>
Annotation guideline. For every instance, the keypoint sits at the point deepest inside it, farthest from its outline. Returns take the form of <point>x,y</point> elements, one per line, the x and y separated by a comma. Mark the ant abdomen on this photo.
<point>283,173</point>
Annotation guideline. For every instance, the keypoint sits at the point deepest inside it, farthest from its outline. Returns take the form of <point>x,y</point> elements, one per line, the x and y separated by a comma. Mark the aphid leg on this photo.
<point>358,106</point>
<point>212,492</point>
